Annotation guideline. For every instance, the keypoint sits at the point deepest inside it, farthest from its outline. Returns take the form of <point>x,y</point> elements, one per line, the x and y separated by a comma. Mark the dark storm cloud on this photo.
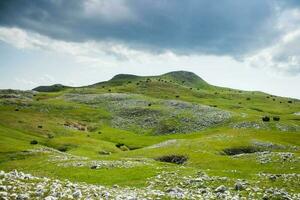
<point>232,27</point>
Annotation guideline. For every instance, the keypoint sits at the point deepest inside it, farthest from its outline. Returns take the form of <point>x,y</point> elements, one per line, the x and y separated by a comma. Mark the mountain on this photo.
<point>167,136</point>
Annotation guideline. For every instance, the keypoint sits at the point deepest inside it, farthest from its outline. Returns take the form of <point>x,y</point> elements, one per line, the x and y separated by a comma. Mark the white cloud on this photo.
<point>90,62</point>
<point>284,55</point>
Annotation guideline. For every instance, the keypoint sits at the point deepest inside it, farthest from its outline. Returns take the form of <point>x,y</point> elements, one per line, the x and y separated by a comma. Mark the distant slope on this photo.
<point>51,88</point>
<point>186,78</point>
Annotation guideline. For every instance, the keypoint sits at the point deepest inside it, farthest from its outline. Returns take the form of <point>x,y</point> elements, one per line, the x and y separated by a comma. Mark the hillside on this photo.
<point>169,136</point>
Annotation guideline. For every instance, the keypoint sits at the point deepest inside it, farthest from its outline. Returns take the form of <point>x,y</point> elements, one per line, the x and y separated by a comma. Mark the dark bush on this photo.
<point>94,167</point>
<point>290,102</point>
<point>177,96</point>
<point>99,132</point>
<point>149,104</point>
<point>33,142</point>
<point>109,90</point>
<point>62,148</point>
<point>266,119</point>
<point>276,118</point>
<point>40,126</point>
<point>248,99</point>
<point>50,136</point>
<point>241,150</point>
<point>16,109</point>
<point>177,159</point>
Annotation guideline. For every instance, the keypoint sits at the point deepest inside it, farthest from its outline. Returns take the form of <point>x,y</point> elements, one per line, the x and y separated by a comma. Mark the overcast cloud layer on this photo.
<point>264,34</point>
<point>194,26</point>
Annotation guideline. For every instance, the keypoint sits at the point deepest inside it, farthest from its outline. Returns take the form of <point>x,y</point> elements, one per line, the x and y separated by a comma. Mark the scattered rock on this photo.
<point>221,189</point>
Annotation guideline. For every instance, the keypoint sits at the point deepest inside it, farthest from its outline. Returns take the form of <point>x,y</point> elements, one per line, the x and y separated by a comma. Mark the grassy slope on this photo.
<point>50,111</point>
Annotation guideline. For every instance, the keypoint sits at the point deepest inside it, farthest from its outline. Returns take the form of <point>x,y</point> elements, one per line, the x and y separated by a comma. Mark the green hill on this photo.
<point>167,136</point>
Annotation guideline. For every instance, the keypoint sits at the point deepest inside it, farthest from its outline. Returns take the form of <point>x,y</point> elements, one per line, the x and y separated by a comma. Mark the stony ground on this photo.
<point>141,114</point>
<point>22,186</point>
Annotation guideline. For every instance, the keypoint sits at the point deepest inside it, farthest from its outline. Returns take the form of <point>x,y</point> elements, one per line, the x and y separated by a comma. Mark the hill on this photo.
<point>51,88</point>
<point>169,136</point>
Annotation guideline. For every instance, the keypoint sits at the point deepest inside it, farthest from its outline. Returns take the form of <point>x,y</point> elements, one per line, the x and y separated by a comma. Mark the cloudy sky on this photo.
<point>251,45</point>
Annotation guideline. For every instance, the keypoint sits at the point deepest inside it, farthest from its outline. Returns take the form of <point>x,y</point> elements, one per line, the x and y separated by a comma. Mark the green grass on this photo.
<point>204,148</point>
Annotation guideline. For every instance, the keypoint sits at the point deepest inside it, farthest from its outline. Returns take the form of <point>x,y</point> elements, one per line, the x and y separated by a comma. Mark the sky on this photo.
<point>248,45</point>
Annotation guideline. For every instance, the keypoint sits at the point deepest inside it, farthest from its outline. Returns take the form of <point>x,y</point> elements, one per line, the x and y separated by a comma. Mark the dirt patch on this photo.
<point>176,159</point>
<point>241,150</point>
<point>76,126</point>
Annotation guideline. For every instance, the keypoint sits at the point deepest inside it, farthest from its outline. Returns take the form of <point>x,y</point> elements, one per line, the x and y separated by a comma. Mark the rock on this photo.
<point>3,194</point>
<point>176,193</point>
<point>221,189</point>
<point>3,188</point>
<point>77,194</point>
<point>23,197</point>
<point>50,198</point>
<point>239,185</point>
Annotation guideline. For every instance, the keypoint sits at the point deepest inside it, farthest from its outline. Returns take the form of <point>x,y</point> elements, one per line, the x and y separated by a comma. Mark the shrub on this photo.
<point>50,136</point>
<point>290,102</point>
<point>266,119</point>
<point>62,148</point>
<point>40,126</point>
<point>33,142</point>
<point>149,104</point>
<point>177,159</point>
<point>276,118</point>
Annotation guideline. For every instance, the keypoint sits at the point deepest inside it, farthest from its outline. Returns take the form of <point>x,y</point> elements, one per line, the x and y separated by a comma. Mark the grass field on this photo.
<point>127,123</point>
